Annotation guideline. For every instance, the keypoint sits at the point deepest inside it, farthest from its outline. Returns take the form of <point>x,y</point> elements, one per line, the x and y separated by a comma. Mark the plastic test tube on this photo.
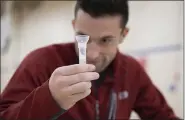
<point>82,46</point>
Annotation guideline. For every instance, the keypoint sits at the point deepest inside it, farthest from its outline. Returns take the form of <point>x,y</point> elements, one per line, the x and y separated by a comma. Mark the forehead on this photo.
<point>97,26</point>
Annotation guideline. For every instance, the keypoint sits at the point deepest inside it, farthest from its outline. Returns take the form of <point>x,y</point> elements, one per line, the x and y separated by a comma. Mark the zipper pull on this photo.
<point>97,110</point>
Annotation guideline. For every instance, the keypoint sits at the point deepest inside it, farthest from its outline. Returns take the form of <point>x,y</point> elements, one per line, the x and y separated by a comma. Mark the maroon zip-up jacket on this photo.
<point>27,96</point>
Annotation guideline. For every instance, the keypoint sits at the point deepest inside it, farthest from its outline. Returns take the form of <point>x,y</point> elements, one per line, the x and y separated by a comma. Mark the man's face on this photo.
<point>105,35</point>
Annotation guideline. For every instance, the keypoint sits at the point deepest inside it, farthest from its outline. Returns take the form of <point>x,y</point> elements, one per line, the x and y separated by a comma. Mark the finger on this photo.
<point>77,88</point>
<point>76,97</point>
<point>81,77</point>
<point>74,69</point>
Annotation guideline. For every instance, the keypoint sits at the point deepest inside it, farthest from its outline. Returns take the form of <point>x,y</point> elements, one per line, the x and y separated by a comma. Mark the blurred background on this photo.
<point>155,38</point>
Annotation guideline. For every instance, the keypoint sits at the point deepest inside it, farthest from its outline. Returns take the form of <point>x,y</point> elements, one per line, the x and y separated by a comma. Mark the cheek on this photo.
<point>110,53</point>
<point>111,50</point>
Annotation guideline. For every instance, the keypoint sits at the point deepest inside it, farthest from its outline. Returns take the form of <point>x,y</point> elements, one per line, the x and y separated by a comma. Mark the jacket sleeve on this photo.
<point>150,103</point>
<point>26,97</point>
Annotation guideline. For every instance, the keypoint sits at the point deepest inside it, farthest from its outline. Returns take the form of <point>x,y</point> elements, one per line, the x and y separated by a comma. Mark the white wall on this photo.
<point>151,23</point>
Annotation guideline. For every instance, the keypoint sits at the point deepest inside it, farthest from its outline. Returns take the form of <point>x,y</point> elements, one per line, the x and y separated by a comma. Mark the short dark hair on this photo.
<point>99,8</point>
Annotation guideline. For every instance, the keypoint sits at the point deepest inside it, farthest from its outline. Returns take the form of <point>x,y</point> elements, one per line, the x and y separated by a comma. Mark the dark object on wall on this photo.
<point>19,8</point>
<point>7,45</point>
<point>2,7</point>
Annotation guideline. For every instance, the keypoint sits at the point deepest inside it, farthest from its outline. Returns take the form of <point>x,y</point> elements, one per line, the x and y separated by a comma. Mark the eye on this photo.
<point>106,40</point>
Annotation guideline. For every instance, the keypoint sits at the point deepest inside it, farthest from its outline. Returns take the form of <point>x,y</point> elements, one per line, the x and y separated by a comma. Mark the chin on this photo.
<point>99,66</point>
<point>99,69</point>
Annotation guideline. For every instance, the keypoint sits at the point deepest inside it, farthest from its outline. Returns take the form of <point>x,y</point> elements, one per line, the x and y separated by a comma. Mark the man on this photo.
<point>50,84</point>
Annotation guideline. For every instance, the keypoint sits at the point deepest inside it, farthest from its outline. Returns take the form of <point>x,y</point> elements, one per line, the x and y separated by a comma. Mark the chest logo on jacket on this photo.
<point>123,95</point>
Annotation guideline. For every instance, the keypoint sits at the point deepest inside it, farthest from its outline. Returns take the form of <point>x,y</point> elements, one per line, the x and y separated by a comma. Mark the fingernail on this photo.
<point>97,75</point>
<point>92,67</point>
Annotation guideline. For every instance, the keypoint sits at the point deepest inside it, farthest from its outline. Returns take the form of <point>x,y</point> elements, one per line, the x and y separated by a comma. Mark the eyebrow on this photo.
<point>103,37</point>
<point>108,36</point>
<point>81,33</point>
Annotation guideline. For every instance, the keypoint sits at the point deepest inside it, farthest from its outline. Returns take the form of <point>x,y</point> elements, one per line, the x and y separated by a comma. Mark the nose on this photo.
<point>93,51</point>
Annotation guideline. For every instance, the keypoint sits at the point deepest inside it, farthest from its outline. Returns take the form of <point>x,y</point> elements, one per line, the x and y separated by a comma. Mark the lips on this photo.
<point>92,62</point>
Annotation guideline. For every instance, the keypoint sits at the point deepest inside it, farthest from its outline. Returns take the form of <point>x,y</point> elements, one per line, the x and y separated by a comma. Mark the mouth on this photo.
<point>92,62</point>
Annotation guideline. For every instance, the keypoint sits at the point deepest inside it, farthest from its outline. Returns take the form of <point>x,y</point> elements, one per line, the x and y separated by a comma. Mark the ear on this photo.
<point>73,23</point>
<point>124,34</point>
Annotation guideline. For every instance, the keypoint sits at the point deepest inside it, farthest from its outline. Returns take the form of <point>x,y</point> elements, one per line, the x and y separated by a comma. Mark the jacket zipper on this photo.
<point>97,105</point>
<point>97,110</point>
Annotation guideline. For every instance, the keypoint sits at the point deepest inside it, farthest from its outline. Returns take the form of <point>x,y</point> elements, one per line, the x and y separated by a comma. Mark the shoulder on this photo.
<point>44,56</point>
<point>129,61</point>
<point>38,55</point>
<point>135,71</point>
